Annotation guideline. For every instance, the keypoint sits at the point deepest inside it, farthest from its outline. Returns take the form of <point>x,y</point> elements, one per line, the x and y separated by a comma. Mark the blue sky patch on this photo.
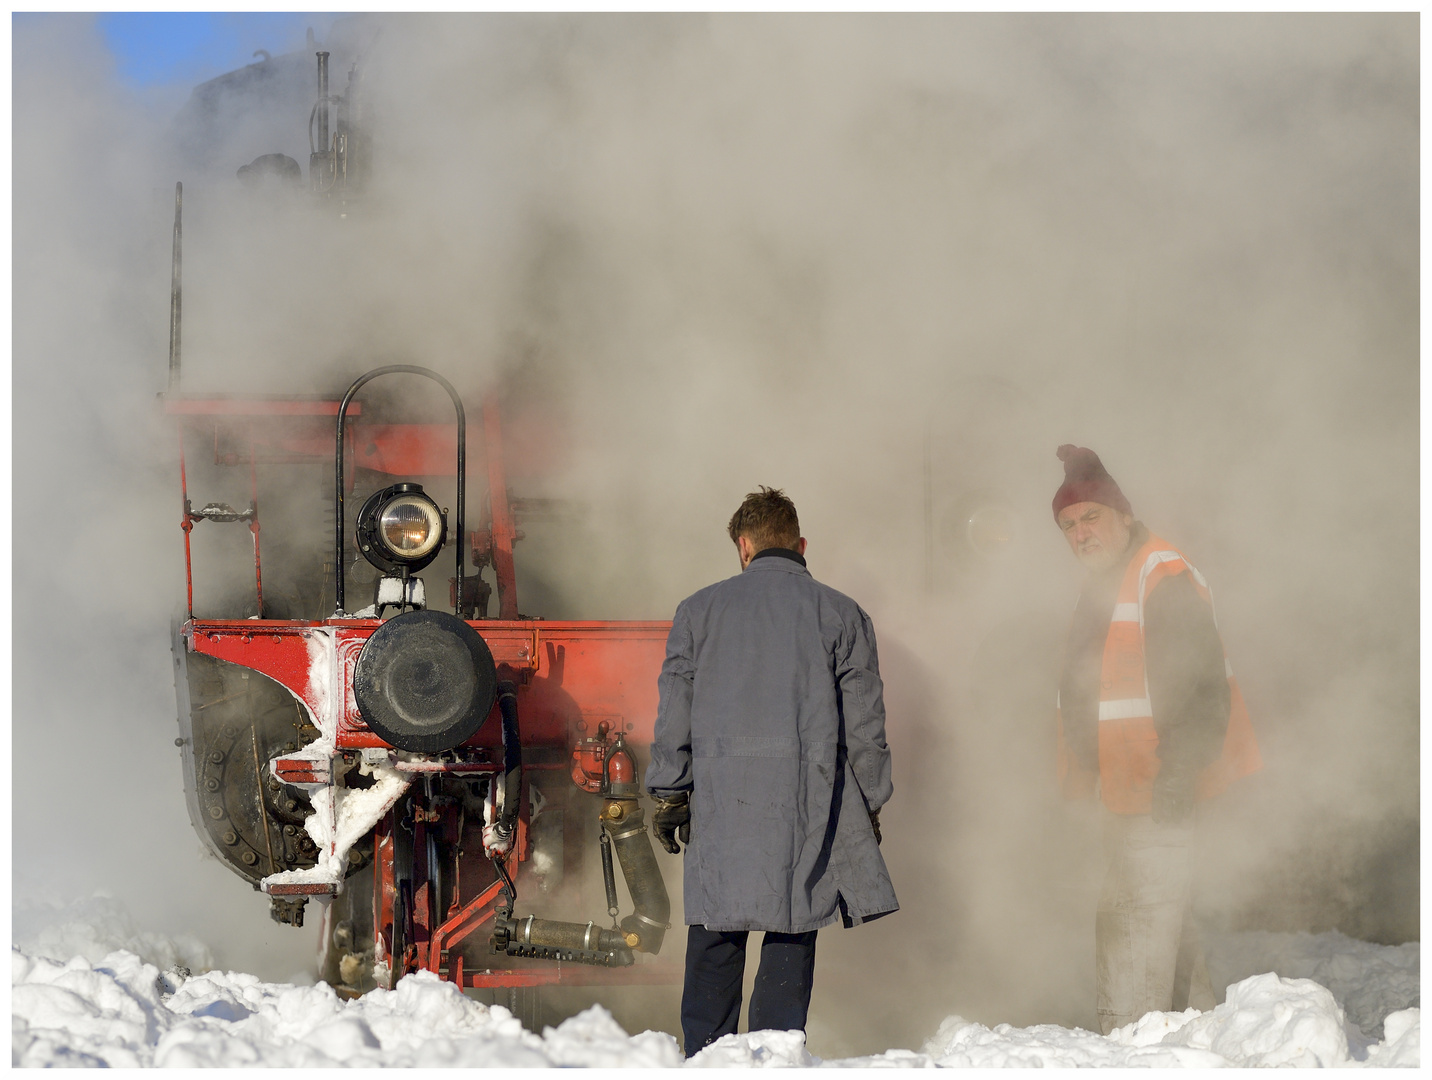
<point>187,48</point>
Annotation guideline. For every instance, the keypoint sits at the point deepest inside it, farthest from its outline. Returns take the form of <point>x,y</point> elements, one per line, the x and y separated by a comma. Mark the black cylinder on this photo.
<point>425,681</point>
<point>582,937</point>
<point>643,878</point>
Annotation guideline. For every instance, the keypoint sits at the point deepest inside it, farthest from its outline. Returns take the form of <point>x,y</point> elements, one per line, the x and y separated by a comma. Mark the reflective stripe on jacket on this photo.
<point>1128,740</point>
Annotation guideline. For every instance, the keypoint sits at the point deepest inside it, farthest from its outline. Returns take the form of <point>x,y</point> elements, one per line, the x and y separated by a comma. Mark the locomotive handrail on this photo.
<point>406,369</point>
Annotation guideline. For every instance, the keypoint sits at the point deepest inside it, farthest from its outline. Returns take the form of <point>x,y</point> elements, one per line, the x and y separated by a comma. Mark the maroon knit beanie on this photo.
<point>1086,480</point>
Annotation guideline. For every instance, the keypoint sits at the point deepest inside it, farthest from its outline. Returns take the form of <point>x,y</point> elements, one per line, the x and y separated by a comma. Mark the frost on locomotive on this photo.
<point>452,784</point>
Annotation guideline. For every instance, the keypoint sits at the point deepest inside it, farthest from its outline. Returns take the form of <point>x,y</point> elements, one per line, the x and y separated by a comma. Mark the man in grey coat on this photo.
<point>769,762</point>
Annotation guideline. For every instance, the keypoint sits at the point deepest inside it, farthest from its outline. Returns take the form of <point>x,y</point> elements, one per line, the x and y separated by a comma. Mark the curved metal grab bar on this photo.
<point>407,369</point>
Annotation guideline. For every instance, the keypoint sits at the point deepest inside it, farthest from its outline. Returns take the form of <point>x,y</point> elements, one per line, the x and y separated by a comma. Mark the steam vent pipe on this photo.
<point>323,103</point>
<point>176,288</point>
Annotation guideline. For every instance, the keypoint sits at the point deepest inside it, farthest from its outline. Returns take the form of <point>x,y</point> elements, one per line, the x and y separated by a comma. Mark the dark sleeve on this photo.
<point>670,769</point>
<point>1188,683</point>
<point>1079,682</point>
<point>862,703</point>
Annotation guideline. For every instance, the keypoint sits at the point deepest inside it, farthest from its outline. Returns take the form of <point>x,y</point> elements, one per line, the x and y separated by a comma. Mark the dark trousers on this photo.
<point>715,965</point>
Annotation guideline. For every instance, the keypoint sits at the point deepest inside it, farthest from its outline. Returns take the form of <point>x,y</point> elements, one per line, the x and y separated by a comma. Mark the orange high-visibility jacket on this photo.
<point>1128,740</point>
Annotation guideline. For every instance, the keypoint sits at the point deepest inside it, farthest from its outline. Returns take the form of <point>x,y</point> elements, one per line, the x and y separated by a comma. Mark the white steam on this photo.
<point>701,253</point>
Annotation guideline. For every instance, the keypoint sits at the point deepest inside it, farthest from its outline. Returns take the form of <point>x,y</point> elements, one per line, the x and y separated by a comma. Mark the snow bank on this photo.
<point>89,988</point>
<point>1266,1020</point>
<point>1269,1020</point>
<point>94,927</point>
<point>1369,980</point>
<point>123,1011</point>
<point>1404,1041</point>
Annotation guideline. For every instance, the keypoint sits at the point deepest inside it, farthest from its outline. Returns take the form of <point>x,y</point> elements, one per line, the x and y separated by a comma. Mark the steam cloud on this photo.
<point>887,264</point>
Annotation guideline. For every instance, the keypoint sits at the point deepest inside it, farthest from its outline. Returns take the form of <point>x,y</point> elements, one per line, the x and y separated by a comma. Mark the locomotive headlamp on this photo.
<point>980,526</point>
<point>990,529</point>
<point>400,527</point>
<point>410,526</point>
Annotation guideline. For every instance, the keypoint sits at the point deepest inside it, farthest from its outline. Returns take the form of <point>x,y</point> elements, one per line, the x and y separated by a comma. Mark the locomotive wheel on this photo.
<point>239,719</point>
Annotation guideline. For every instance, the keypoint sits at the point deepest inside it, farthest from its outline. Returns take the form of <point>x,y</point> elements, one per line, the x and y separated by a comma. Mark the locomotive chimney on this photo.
<point>319,164</point>
<point>176,289</point>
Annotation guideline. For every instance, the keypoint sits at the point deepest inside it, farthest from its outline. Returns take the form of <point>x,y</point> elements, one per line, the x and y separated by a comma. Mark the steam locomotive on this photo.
<point>430,771</point>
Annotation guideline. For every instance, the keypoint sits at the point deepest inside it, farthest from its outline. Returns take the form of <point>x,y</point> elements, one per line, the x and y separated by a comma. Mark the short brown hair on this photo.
<point>768,519</point>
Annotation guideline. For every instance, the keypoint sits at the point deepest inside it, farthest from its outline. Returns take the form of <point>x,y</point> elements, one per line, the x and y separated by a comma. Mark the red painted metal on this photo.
<point>301,888</point>
<point>295,432</point>
<point>587,759</point>
<point>301,770</point>
<point>384,890</point>
<point>575,680</point>
<point>407,450</point>
<point>179,405</point>
<point>278,649</point>
<point>422,905</point>
<point>462,925</point>
<point>620,768</point>
<point>579,671</point>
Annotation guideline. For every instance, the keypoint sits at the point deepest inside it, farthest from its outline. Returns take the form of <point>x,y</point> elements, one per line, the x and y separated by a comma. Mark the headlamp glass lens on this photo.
<point>410,526</point>
<point>991,529</point>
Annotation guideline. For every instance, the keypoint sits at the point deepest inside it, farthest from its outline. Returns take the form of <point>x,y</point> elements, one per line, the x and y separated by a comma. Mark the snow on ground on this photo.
<point>97,926</point>
<point>1368,980</point>
<point>138,1005</point>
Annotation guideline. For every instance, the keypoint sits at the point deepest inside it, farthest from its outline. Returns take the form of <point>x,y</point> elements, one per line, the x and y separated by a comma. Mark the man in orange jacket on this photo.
<point>1151,718</point>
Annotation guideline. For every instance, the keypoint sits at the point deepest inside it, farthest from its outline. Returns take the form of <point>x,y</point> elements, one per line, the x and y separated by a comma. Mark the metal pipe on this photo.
<point>507,886</point>
<point>176,288</point>
<point>643,876</point>
<point>609,877</point>
<point>358,384</point>
<point>186,523</point>
<point>323,146</point>
<point>511,760</point>
<point>582,937</point>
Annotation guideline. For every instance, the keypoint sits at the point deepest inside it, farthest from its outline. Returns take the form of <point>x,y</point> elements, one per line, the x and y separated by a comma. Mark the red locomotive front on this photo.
<point>413,769</point>
<point>357,728</point>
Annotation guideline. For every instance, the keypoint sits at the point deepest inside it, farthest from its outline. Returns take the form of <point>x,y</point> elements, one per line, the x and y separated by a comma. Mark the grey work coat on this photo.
<point>771,715</point>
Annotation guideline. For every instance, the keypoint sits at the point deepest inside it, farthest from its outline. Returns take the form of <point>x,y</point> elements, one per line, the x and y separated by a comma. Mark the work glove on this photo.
<point>875,824</point>
<point>672,819</point>
<point>1173,797</point>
